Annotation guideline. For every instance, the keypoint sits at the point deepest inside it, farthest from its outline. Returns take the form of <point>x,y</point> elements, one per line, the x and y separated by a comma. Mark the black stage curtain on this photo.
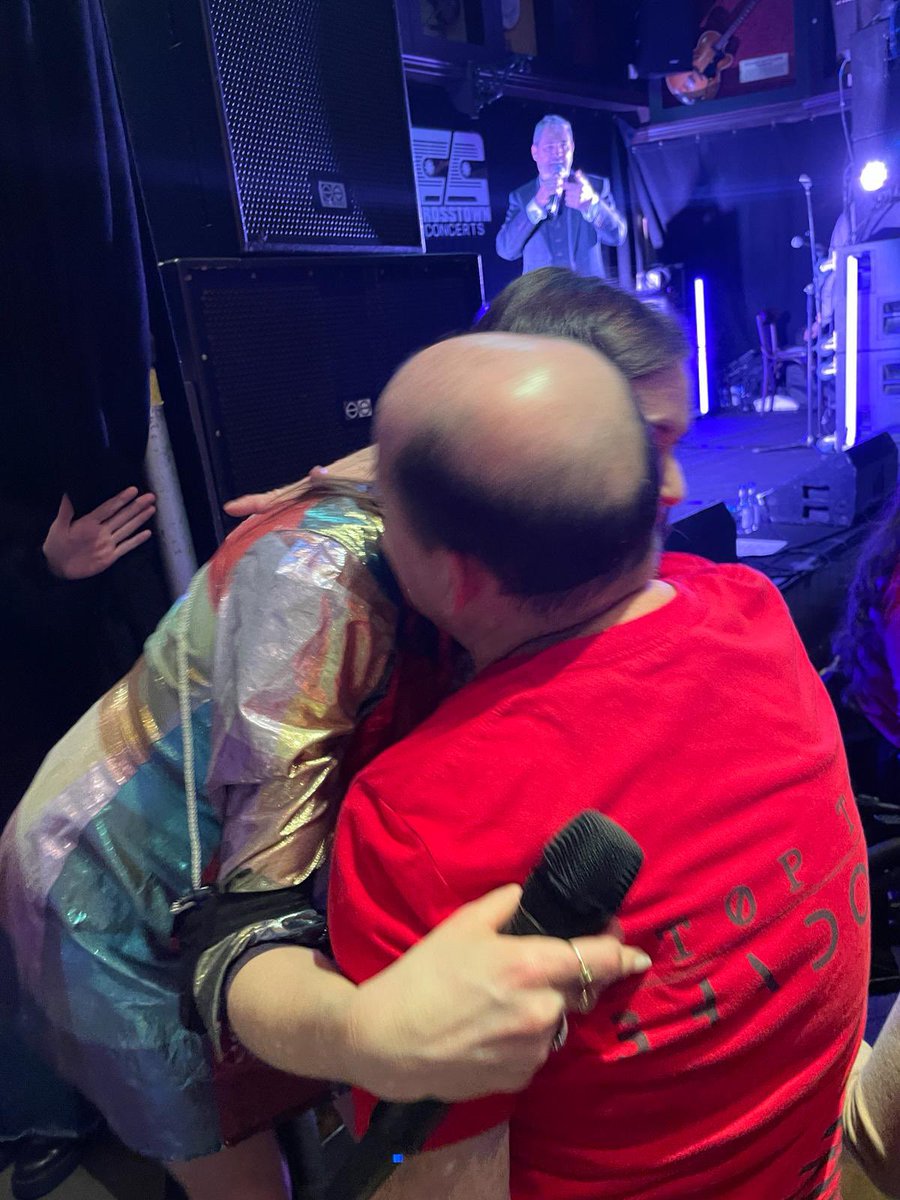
<point>74,316</point>
<point>74,360</point>
<point>727,205</point>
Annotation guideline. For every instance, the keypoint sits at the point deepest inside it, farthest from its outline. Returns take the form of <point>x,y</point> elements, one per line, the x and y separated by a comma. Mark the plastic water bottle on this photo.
<point>753,519</point>
<point>743,516</point>
<point>740,512</point>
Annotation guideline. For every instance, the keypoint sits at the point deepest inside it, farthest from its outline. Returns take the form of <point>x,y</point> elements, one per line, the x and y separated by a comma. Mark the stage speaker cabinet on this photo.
<point>867,387</point>
<point>844,488</point>
<point>711,533</point>
<point>283,359</point>
<point>846,23</point>
<point>849,17</point>
<point>267,126</point>
<point>876,90</point>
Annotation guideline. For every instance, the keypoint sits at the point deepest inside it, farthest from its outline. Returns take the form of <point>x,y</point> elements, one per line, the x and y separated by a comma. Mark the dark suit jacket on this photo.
<point>566,240</point>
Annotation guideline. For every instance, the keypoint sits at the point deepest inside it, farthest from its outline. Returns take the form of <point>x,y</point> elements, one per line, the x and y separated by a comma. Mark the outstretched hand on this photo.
<point>78,549</point>
<point>469,1011</point>
<point>358,467</point>
<point>253,503</point>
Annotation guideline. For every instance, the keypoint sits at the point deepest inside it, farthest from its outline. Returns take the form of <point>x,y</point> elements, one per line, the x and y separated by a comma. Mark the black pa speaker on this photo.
<point>850,16</point>
<point>710,532</point>
<point>843,489</point>
<point>283,359</point>
<point>878,335</point>
<point>267,125</point>
<point>875,94</point>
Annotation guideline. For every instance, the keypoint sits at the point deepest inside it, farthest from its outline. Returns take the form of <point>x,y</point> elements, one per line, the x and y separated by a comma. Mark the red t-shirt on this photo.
<point>704,731</point>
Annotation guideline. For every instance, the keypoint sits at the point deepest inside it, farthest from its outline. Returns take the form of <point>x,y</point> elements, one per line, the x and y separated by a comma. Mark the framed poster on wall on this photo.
<point>519,29</point>
<point>451,31</point>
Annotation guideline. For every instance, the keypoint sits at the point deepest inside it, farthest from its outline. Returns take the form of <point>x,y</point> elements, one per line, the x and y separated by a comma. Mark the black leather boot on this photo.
<point>42,1163</point>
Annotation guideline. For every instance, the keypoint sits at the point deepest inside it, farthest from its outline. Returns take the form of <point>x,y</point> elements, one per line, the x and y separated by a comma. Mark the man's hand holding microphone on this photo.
<point>577,190</point>
<point>550,191</point>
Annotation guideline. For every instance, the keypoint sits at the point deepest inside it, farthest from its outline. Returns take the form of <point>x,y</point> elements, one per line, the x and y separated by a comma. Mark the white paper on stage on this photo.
<point>759,547</point>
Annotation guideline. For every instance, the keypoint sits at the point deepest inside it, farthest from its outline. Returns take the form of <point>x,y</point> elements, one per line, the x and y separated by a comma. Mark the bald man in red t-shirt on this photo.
<point>519,492</point>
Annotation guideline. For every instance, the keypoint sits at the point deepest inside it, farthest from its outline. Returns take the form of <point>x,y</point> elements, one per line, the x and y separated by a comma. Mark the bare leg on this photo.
<point>252,1170</point>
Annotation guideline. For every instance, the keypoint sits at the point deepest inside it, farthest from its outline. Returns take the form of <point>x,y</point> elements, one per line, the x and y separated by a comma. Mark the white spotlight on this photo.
<point>873,176</point>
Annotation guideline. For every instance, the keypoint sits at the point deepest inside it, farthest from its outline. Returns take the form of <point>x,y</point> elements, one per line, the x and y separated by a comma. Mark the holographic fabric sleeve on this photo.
<point>290,638</point>
<point>274,772</point>
<point>304,639</point>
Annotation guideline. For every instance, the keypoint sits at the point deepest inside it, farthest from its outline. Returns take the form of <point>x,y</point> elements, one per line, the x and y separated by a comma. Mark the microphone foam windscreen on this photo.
<point>583,876</point>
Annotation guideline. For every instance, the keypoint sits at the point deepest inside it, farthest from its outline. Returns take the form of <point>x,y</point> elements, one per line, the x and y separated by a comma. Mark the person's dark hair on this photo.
<point>556,302</point>
<point>539,542</point>
<point>858,642</point>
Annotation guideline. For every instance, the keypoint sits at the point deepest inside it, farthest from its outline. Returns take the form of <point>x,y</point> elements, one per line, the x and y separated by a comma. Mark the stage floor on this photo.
<point>723,452</point>
<point>813,564</point>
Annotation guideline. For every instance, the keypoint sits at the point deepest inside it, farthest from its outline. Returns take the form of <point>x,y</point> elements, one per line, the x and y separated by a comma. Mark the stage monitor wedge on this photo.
<point>710,533</point>
<point>843,489</point>
<point>283,359</point>
<point>267,125</point>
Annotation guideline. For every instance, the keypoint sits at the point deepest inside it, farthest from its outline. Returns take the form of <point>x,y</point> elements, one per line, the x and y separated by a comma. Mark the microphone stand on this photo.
<point>813,316</point>
<point>813,303</point>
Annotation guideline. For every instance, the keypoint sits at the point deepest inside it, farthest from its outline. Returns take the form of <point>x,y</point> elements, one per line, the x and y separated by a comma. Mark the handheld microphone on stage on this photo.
<point>556,199</point>
<point>576,889</point>
<point>805,182</point>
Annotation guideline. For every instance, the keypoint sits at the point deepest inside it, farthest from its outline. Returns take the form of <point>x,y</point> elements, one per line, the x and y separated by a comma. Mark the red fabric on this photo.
<point>251,1095</point>
<point>704,731</point>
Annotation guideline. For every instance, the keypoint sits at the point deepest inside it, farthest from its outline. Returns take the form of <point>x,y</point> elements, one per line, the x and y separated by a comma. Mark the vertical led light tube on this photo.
<point>702,353</point>
<point>851,356</point>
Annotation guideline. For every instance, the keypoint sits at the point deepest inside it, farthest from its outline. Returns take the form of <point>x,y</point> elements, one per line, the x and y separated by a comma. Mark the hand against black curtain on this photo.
<point>78,549</point>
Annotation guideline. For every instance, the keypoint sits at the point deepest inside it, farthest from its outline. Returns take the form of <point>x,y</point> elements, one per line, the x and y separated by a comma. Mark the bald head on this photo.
<point>513,411</point>
<point>525,452</point>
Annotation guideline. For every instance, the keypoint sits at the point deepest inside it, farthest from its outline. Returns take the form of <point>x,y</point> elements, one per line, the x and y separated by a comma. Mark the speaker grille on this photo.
<point>314,106</point>
<point>282,352</point>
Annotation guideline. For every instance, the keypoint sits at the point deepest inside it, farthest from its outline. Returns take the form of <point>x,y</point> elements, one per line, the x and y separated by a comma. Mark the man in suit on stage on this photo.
<point>560,219</point>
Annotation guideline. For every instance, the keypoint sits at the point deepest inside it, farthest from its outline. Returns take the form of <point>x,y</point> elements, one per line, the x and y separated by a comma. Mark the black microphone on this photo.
<point>576,889</point>
<point>552,206</point>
